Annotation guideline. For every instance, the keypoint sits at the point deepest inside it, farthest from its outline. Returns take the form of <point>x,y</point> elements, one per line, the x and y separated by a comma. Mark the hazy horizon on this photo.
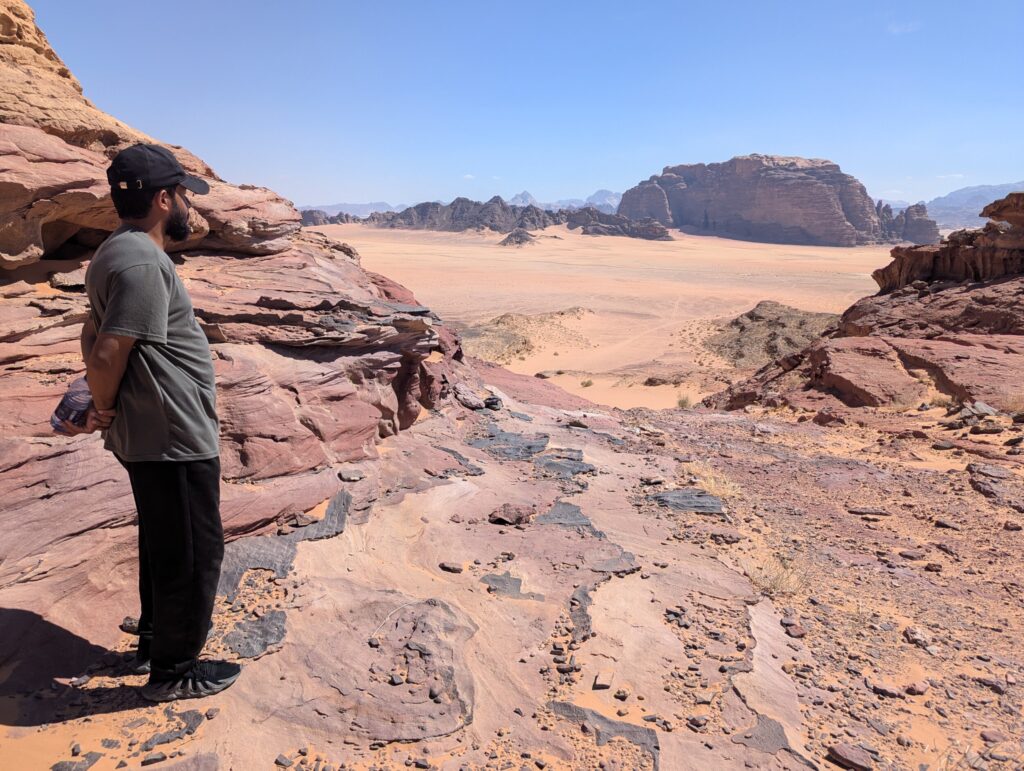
<point>409,103</point>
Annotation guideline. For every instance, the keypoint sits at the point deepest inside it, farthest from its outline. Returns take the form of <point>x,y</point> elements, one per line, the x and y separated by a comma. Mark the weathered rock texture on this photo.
<point>911,224</point>
<point>597,223</point>
<point>947,323</point>
<point>762,198</point>
<point>390,620</point>
<point>316,359</point>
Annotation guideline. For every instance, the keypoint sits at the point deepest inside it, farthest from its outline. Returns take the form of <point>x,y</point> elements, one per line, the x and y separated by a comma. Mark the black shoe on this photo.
<point>205,678</point>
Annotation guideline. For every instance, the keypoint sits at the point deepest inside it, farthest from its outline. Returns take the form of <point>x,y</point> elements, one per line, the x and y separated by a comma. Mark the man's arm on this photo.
<point>88,338</point>
<point>106,357</point>
<point>105,367</point>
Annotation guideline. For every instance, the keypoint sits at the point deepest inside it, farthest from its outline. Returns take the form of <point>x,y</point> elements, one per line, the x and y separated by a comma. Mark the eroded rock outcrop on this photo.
<point>317,217</point>
<point>597,223</point>
<point>762,198</point>
<point>767,332</point>
<point>948,323</point>
<point>316,359</point>
<point>911,224</point>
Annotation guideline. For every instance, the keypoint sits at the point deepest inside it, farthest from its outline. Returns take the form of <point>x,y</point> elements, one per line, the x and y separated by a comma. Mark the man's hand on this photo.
<point>95,420</point>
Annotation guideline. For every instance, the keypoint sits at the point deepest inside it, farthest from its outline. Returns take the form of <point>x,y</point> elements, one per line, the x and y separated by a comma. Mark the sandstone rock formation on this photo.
<point>317,217</point>
<point>948,323</point>
<point>761,198</point>
<point>597,223</point>
<point>316,359</point>
<point>911,224</point>
<point>681,589</point>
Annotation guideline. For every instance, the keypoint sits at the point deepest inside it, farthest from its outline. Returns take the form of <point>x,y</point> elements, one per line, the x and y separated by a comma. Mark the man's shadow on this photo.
<point>33,652</point>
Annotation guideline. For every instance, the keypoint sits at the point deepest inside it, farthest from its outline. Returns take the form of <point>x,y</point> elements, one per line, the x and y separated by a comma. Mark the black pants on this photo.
<point>181,545</point>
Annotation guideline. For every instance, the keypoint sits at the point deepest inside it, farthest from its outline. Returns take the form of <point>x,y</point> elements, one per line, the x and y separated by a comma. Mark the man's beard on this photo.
<point>176,228</point>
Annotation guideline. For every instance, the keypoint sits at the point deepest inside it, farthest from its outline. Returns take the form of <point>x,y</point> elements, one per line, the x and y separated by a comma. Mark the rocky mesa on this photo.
<point>768,198</point>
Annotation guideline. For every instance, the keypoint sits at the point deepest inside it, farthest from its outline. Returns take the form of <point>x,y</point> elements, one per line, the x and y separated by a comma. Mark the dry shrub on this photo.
<point>1013,401</point>
<point>710,480</point>
<point>775,576</point>
<point>683,402</point>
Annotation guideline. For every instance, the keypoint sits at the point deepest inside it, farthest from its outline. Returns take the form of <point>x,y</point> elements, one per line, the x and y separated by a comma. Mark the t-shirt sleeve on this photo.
<point>137,303</point>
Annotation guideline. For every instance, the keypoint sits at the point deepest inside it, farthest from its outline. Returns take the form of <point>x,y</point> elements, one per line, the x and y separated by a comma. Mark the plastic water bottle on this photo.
<point>73,406</point>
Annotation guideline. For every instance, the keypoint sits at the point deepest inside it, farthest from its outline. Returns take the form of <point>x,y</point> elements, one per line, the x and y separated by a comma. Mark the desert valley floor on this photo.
<point>610,310</point>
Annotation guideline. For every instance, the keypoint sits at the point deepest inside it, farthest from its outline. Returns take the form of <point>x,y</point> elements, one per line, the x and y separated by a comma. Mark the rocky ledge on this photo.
<point>946,326</point>
<point>317,359</point>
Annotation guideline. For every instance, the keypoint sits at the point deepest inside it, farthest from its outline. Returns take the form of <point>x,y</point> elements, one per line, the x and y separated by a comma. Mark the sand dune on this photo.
<point>652,303</point>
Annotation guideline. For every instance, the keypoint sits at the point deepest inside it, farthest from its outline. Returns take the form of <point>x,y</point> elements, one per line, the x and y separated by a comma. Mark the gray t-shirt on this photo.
<point>166,404</point>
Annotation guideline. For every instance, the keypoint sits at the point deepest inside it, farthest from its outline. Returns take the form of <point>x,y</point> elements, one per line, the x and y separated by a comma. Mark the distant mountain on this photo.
<point>895,204</point>
<point>603,200</point>
<point>524,199</point>
<point>356,209</point>
<point>464,214</point>
<point>960,208</point>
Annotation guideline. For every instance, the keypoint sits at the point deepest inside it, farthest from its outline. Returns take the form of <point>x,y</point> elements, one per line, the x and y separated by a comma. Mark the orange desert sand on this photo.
<point>637,307</point>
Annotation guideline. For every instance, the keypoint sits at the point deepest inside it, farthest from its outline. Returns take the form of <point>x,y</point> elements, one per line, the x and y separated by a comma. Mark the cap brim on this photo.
<point>195,184</point>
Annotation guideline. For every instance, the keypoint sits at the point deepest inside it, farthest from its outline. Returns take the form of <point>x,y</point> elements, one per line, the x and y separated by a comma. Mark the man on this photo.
<point>149,368</point>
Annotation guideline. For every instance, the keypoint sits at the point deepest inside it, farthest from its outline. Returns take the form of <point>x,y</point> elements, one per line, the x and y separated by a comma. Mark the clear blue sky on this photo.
<point>409,101</point>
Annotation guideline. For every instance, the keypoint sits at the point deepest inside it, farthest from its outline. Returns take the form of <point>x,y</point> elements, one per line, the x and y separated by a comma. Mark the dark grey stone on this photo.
<point>579,612</point>
<point>570,516</point>
<point>510,446</point>
<point>470,469</point>
<point>564,463</point>
<point>606,729</point>
<point>768,736</point>
<point>689,499</point>
<point>507,585</point>
<point>521,416</point>
<point>252,637</point>
<point>277,552</point>
<point>193,719</point>
<point>82,764</point>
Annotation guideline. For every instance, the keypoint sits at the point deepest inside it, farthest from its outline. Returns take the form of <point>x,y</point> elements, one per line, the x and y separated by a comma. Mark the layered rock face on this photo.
<point>596,223</point>
<point>761,198</point>
<point>912,224</point>
<point>318,217</point>
<point>316,359</point>
<point>947,323</point>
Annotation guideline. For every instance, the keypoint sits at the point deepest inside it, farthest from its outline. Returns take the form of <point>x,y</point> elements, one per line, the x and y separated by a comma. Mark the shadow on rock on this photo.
<point>33,653</point>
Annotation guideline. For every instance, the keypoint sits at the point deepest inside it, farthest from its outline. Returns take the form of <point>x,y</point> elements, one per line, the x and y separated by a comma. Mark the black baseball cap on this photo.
<point>151,166</point>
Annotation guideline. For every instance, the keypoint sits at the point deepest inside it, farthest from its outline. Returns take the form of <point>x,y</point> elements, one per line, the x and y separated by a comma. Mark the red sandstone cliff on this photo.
<point>948,321</point>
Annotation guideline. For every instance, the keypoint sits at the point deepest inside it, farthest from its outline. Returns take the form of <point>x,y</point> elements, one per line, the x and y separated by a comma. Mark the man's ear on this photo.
<point>164,200</point>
